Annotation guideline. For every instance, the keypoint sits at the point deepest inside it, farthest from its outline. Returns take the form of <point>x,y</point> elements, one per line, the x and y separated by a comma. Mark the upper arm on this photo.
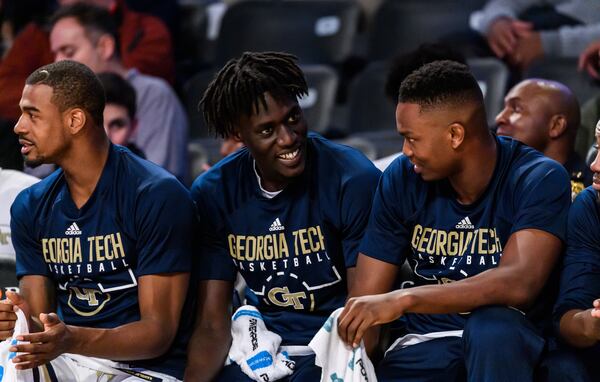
<point>214,304</point>
<point>357,198</point>
<point>161,298</point>
<point>372,276</point>
<point>39,292</point>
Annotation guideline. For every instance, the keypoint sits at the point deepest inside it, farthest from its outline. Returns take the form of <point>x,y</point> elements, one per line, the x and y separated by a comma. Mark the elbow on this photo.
<point>160,342</point>
<point>521,295</point>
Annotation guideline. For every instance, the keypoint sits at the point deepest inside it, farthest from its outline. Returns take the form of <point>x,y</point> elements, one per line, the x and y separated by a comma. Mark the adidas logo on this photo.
<point>276,226</point>
<point>465,224</point>
<point>73,230</point>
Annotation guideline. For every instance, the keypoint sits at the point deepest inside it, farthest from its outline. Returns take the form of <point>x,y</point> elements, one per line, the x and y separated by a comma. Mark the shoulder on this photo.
<point>225,173</point>
<point>334,158</point>
<point>145,84</point>
<point>527,164</point>
<point>585,204</point>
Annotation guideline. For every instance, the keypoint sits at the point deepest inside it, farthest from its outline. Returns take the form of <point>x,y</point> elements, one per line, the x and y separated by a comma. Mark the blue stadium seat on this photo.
<point>318,32</point>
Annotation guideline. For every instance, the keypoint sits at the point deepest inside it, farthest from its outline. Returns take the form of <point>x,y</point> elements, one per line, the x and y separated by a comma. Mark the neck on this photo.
<point>559,152</point>
<point>83,167</point>
<point>115,66</point>
<point>476,171</point>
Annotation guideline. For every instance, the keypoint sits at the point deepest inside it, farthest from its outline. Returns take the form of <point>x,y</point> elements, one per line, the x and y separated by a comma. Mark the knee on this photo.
<point>496,326</point>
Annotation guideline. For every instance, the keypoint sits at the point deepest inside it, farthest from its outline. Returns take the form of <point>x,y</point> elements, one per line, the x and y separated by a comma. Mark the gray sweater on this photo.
<point>567,41</point>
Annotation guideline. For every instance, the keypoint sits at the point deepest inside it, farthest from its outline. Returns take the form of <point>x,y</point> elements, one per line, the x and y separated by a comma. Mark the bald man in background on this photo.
<point>545,115</point>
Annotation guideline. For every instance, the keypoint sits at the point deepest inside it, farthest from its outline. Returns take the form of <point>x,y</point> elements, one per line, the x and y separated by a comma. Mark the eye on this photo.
<point>266,131</point>
<point>32,116</point>
<point>293,118</point>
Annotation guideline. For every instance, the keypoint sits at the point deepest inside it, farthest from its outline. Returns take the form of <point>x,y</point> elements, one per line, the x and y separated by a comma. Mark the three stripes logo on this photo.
<point>73,230</point>
<point>465,224</point>
<point>276,226</point>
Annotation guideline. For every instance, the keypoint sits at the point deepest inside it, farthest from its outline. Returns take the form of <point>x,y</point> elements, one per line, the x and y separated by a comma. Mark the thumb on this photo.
<point>49,319</point>
<point>15,298</point>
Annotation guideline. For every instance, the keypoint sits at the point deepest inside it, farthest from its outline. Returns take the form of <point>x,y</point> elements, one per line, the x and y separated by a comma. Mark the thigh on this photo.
<point>440,359</point>
<point>305,370</point>
<point>232,373</point>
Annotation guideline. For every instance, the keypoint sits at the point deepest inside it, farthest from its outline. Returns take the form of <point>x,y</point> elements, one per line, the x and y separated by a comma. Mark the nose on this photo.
<point>406,149</point>
<point>595,165</point>
<point>501,117</point>
<point>19,126</point>
<point>286,136</point>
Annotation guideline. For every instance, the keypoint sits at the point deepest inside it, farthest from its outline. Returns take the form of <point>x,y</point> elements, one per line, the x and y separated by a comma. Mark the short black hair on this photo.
<point>404,64</point>
<point>240,86</point>
<point>96,21</point>
<point>73,85</point>
<point>118,91</point>
<point>440,83</point>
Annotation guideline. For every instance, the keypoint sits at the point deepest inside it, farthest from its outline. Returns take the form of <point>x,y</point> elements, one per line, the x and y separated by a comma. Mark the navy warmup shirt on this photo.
<point>293,249</point>
<point>138,221</point>
<point>445,241</point>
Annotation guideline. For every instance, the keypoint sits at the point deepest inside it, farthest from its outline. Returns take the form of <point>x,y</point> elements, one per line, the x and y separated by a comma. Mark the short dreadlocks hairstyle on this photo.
<point>440,83</point>
<point>240,86</point>
<point>73,85</point>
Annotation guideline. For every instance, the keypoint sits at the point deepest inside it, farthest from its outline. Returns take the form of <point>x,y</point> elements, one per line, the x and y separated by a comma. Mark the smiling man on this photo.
<point>287,212</point>
<point>545,115</point>
<point>481,222</point>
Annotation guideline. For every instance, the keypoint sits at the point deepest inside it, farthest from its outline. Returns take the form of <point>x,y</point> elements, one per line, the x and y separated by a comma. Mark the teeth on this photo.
<point>291,155</point>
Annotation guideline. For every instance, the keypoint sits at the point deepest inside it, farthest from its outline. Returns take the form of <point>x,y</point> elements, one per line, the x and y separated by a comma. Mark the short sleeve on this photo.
<point>215,262</point>
<point>387,235</point>
<point>542,199</point>
<point>580,273</point>
<point>28,249</point>
<point>357,198</point>
<point>164,219</point>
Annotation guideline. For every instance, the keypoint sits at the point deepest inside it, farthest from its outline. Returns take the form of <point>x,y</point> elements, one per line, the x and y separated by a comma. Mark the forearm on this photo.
<point>573,329</point>
<point>207,352</point>
<point>137,340</point>
<point>486,288</point>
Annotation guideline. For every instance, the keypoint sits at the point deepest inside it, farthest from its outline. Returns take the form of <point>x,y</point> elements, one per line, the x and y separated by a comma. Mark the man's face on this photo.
<point>117,123</point>
<point>526,115</point>
<point>40,128</point>
<point>276,139</point>
<point>595,166</point>
<point>69,41</point>
<point>426,140</point>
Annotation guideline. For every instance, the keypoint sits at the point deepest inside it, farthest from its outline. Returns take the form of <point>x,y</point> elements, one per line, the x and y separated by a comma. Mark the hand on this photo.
<point>504,34</point>
<point>55,340</point>
<point>590,59</point>
<point>361,313</point>
<point>528,49</point>
<point>591,321</point>
<point>8,316</point>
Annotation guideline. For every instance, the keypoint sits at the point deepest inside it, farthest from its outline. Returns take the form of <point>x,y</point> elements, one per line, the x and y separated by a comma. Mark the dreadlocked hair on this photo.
<point>240,86</point>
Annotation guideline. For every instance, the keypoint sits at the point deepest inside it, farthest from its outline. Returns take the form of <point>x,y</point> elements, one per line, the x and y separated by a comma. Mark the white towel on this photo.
<point>8,372</point>
<point>338,361</point>
<point>256,349</point>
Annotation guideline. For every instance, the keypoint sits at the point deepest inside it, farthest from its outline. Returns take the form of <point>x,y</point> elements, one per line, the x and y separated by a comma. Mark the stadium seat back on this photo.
<point>492,76</point>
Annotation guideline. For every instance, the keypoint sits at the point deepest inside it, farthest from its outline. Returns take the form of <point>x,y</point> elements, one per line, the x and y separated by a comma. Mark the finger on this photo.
<point>6,306</point>
<point>507,45</point>
<point>343,326</point>
<point>31,348</point>
<point>592,71</point>
<point>8,316</point>
<point>7,325</point>
<point>497,50</point>
<point>522,27</point>
<point>40,337</point>
<point>31,364</point>
<point>596,313</point>
<point>14,297</point>
<point>582,62</point>
<point>49,319</point>
<point>360,333</point>
<point>4,334</point>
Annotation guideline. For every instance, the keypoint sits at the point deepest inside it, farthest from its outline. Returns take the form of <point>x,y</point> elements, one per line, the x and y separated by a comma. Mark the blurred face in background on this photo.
<point>119,126</point>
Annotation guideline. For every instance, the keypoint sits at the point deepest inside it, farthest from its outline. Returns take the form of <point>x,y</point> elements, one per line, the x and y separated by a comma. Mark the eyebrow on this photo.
<point>30,108</point>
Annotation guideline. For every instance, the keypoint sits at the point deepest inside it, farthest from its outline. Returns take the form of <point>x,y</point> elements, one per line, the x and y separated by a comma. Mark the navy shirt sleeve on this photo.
<point>164,222</point>
<point>580,274</point>
<point>357,197</point>
<point>388,234</point>
<point>28,250</point>
<point>542,198</point>
<point>215,262</point>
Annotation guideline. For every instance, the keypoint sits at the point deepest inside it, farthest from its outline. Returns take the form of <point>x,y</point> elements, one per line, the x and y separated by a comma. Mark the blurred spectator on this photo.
<point>545,115</point>
<point>521,31</point>
<point>87,34</point>
<point>11,183</point>
<point>15,15</point>
<point>119,112</point>
<point>230,145</point>
<point>145,44</point>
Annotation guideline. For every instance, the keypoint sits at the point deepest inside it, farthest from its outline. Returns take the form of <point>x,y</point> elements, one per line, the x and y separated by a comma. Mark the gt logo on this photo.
<point>86,294</point>
<point>85,299</point>
<point>283,297</point>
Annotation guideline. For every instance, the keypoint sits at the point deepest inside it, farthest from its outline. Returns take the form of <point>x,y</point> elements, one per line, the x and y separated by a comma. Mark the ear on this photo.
<point>456,133</point>
<point>75,120</point>
<point>106,47</point>
<point>236,135</point>
<point>558,126</point>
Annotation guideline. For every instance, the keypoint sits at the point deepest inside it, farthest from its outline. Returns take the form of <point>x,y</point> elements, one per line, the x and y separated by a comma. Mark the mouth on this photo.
<point>596,181</point>
<point>502,130</point>
<point>290,157</point>
<point>26,146</point>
